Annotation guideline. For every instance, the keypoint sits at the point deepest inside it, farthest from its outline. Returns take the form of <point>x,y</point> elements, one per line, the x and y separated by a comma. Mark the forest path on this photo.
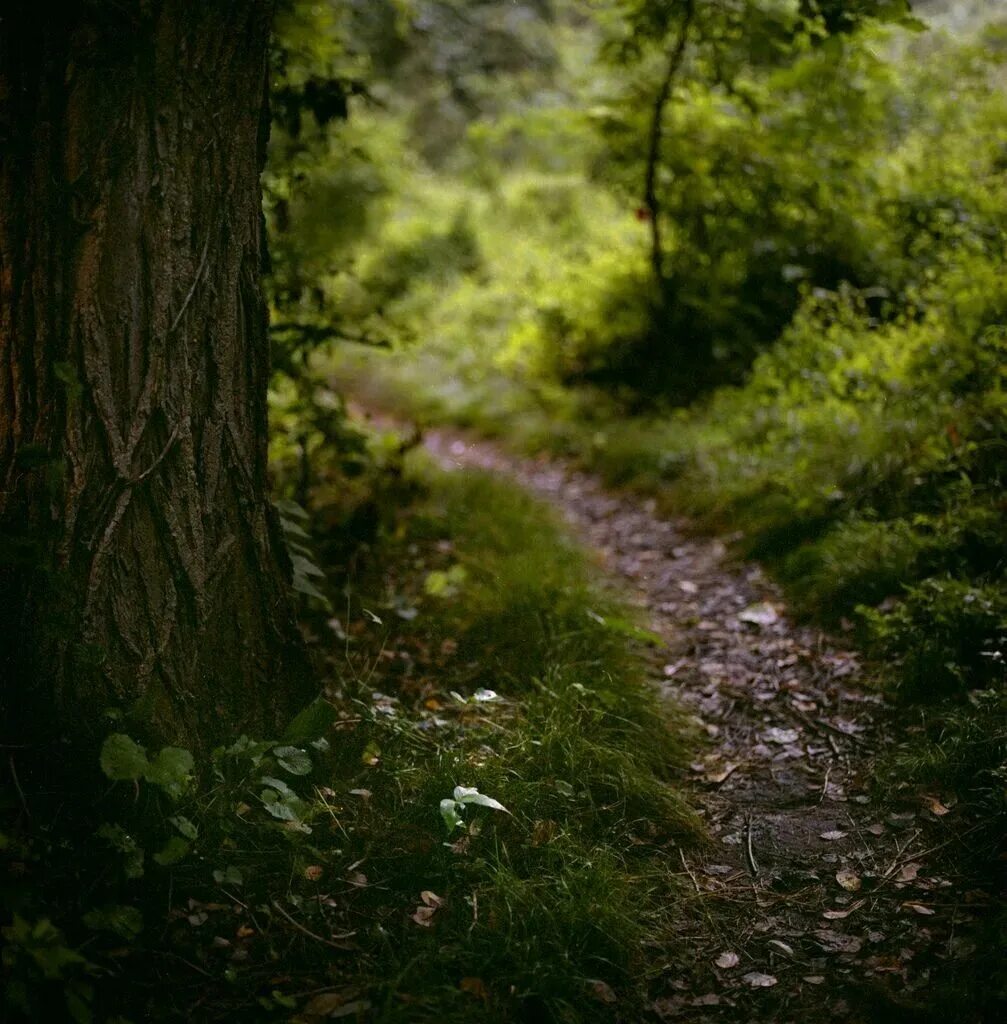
<point>815,900</point>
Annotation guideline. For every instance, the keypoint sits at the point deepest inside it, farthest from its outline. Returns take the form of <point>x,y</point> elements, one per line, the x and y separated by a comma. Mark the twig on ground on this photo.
<point>749,854</point>
<point>825,783</point>
<point>688,870</point>
<point>313,935</point>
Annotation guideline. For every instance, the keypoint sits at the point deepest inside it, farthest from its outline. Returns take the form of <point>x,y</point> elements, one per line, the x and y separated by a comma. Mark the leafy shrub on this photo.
<point>422,253</point>
<point>947,635</point>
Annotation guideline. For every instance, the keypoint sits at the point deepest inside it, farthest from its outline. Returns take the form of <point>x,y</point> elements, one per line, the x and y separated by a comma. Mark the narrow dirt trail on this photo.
<point>815,900</point>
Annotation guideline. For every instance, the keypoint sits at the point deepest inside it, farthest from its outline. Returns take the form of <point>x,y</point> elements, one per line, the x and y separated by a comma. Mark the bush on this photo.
<point>947,636</point>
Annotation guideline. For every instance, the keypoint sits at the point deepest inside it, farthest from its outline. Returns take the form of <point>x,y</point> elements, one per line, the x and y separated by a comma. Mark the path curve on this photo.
<point>816,901</point>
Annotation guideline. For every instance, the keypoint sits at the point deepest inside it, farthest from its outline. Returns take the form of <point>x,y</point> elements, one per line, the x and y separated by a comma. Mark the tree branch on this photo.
<point>650,198</point>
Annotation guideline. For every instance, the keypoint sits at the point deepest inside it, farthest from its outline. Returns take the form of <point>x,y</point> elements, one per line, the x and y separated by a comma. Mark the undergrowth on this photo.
<point>474,825</point>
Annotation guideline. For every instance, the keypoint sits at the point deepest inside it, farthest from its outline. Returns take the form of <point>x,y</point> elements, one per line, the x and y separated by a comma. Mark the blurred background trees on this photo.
<point>813,353</point>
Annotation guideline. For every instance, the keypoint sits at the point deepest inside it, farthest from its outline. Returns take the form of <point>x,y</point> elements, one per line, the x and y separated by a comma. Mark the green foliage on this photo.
<point>832,197</point>
<point>124,760</point>
<point>339,825</point>
<point>947,635</point>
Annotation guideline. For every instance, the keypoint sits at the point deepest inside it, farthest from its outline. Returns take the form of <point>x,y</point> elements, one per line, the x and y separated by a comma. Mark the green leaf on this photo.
<point>623,627</point>
<point>293,760</point>
<point>310,723</point>
<point>122,759</point>
<point>305,567</point>
<point>304,586</point>
<point>124,921</point>
<point>119,839</point>
<point>186,827</point>
<point>171,770</point>
<point>282,789</point>
<point>78,1007</point>
<point>229,876</point>
<point>463,795</point>
<point>450,813</point>
<point>66,374</point>
<point>293,529</point>
<point>172,851</point>
<point>290,508</point>
<point>280,810</point>
<point>252,749</point>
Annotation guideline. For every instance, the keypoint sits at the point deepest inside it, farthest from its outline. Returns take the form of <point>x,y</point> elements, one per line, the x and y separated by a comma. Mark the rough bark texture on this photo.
<point>141,564</point>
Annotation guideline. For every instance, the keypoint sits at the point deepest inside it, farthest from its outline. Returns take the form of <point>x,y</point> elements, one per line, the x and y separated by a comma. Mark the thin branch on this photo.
<point>313,935</point>
<point>749,853</point>
<point>650,198</point>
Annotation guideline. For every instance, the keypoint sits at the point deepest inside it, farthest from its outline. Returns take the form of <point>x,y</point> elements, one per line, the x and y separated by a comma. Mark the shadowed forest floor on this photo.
<point>822,893</point>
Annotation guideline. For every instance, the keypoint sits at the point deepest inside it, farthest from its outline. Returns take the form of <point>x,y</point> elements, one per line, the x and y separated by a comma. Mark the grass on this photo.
<point>279,884</point>
<point>558,895</point>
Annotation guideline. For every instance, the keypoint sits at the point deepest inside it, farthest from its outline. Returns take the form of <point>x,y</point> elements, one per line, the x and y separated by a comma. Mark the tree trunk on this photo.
<point>142,567</point>
<point>655,137</point>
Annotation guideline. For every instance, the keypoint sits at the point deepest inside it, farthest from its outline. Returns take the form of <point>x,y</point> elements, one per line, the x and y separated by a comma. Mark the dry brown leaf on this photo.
<point>836,942</point>
<point>918,908</point>
<point>424,916</point>
<point>727,960</point>
<point>935,806</point>
<point>710,999</point>
<point>755,979</point>
<point>322,1005</point>
<point>761,614</point>
<point>475,987</point>
<point>908,872</point>
<point>602,991</point>
<point>814,979</point>
<point>848,879</point>
<point>721,776</point>
<point>431,899</point>
<point>838,915</point>
<point>782,736</point>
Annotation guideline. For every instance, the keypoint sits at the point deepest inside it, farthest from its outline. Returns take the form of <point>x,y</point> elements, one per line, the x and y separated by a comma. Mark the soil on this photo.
<point>825,894</point>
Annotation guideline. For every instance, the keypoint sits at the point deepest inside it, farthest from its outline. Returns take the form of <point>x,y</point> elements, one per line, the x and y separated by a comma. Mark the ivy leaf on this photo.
<point>293,760</point>
<point>122,759</point>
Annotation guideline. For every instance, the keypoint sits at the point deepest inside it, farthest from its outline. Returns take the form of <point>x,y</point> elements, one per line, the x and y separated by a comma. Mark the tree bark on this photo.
<point>142,566</point>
